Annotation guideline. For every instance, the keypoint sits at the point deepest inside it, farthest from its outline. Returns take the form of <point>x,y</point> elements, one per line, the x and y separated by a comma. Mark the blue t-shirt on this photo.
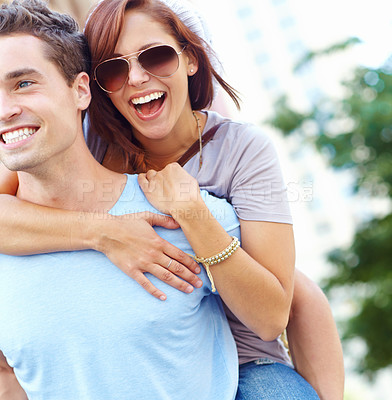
<point>73,326</point>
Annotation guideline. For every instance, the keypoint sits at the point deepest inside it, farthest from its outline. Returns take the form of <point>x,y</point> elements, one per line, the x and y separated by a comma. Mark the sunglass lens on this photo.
<point>161,61</point>
<point>112,74</point>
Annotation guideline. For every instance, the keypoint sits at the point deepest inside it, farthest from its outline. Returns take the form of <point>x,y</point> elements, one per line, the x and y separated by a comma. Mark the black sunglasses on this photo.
<point>161,61</point>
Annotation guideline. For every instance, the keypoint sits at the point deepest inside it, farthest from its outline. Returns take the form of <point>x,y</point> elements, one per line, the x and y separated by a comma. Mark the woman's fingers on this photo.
<point>150,174</point>
<point>145,283</point>
<point>132,245</point>
<point>183,260</point>
<point>159,220</point>
<point>178,269</point>
<point>170,274</point>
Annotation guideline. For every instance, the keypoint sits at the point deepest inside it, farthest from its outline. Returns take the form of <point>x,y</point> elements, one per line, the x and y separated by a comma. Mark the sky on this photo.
<point>324,215</point>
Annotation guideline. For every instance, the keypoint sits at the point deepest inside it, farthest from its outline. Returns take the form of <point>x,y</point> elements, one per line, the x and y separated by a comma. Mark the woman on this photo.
<point>163,141</point>
<point>156,140</point>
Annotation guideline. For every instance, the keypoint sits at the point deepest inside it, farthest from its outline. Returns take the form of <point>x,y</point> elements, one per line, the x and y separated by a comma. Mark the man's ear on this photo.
<point>81,86</point>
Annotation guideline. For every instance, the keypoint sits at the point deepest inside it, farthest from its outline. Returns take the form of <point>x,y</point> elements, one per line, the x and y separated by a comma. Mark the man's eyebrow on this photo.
<point>22,72</point>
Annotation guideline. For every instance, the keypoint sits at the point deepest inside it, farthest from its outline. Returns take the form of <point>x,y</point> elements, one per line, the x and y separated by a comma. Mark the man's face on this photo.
<point>39,112</point>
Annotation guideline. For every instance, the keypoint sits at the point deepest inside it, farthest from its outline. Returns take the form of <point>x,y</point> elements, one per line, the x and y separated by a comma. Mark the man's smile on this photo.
<point>18,135</point>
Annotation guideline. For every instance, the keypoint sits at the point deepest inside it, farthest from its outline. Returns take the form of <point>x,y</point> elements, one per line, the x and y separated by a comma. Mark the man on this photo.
<point>73,326</point>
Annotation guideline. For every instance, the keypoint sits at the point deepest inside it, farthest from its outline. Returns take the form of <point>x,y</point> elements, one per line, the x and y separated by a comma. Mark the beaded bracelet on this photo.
<point>222,256</point>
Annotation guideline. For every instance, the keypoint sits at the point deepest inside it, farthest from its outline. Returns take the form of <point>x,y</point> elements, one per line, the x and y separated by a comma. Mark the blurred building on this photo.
<point>272,31</point>
<point>79,9</point>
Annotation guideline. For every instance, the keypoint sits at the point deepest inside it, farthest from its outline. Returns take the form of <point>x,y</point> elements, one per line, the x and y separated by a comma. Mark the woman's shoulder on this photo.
<point>235,130</point>
<point>237,135</point>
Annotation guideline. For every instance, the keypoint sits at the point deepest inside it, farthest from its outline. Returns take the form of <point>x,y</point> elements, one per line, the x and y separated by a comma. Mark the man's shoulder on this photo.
<point>132,199</point>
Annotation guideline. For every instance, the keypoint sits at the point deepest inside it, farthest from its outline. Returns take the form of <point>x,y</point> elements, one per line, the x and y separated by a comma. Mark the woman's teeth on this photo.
<point>147,99</point>
<point>150,104</point>
<point>18,135</point>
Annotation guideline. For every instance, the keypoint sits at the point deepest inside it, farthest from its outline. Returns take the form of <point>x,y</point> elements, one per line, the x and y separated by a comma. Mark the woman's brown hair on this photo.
<point>102,32</point>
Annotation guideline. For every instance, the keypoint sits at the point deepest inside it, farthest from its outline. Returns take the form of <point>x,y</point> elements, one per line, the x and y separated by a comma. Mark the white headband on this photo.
<point>189,15</point>
<point>192,19</point>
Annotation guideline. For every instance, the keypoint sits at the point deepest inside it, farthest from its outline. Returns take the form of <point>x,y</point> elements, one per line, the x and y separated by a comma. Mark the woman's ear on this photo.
<point>82,90</point>
<point>193,66</point>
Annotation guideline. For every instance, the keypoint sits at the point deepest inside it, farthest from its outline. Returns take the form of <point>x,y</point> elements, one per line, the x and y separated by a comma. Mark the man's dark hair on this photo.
<point>64,44</point>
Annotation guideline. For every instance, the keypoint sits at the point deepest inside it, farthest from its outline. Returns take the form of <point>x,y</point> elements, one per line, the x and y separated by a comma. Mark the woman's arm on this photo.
<point>10,388</point>
<point>256,282</point>
<point>8,180</point>
<point>129,241</point>
<point>314,341</point>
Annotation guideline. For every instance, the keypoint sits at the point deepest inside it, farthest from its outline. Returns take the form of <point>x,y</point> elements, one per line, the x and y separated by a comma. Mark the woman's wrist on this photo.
<point>88,233</point>
<point>191,212</point>
<point>198,223</point>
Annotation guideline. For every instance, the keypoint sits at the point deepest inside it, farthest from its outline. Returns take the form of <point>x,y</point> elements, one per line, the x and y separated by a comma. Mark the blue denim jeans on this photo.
<point>264,379</point>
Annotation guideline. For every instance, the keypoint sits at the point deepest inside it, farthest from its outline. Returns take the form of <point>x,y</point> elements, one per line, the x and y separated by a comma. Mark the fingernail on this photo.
<point>199,284</point>
<point>189,289</point>
<point>197,270</point>
<point>163,298</point>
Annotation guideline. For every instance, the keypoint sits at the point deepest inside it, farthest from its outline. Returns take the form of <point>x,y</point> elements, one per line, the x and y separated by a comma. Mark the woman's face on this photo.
<point>153,106</point>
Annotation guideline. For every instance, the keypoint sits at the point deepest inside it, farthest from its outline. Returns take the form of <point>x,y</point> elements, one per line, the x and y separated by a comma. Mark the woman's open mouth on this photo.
<point>150,104</point>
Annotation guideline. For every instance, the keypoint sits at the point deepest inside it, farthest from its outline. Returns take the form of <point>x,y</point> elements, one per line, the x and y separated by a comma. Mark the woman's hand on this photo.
<point>256,281</point>
<point>131,243</point>
<point>171,190</point>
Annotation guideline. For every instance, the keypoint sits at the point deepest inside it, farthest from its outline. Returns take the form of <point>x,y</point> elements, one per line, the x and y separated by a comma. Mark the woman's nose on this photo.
<point>136,74</point>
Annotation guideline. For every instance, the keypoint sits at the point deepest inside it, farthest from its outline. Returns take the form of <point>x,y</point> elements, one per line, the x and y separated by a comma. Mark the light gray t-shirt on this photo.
<point>240,164</point>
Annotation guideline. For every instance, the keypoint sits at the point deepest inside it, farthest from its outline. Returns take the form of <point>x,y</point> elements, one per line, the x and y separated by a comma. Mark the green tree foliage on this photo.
<point>329,50</point>
<point>356,133</point>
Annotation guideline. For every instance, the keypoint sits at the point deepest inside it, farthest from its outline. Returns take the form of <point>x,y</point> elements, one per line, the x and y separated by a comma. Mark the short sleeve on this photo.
<point>257,189</point>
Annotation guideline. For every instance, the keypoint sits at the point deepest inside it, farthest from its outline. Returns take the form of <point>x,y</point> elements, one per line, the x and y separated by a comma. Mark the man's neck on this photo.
<point>75,182</point>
